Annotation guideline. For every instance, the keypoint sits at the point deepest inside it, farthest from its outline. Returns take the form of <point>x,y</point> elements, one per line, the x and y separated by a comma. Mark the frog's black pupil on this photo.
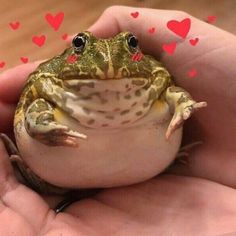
<point>79,42</point>
<point>133,42</point>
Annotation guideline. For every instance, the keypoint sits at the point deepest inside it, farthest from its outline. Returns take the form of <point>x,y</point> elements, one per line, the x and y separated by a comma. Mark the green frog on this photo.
<point>101,114</point>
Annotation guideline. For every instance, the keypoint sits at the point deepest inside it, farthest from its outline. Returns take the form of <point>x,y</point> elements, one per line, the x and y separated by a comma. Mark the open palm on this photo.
<point>194,204</point>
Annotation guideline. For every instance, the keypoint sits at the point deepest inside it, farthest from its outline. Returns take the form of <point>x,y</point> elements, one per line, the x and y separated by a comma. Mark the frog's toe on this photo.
<point>175,123</point>
<point>188,111</point>
<point>62,137</point>
<point>198,105</point>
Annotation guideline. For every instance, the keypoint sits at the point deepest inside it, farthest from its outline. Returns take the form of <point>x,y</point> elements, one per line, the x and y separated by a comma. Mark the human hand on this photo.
<point>213,58</point>
<point>167,205</point>
<point>135,209</point>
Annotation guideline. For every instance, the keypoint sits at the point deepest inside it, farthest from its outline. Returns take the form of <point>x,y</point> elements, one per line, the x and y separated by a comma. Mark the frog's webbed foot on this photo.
<point>183,106</point>
<point>41,124</point>
<point>182,113</point>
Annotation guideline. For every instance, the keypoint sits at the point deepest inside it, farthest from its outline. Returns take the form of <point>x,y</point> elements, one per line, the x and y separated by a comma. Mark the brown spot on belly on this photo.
<point>125,122</point>
<point>128,96</point>
<point>90,122</point>
<point>138,82</point>
<point>139,113</point>
<point>138,93</point>
<point>86,110</point>
<point>124,112</point>
<point>110,117</point>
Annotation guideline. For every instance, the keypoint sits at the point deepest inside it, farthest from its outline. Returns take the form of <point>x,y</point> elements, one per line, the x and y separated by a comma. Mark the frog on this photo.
<point>101,114</point>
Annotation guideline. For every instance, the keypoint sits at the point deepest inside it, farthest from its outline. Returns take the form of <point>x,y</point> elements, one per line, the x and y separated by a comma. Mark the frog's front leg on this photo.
<point>40,123</point>
<point>182,105</point>
<point>41,120</point>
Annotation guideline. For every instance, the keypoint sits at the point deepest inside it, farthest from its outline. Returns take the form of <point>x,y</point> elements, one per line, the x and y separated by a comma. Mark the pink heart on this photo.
<point>134,14</point>
<point>39,40</point>
<point>192,73</point>
<point>55,21</point>
<point>169,48</point>
<point>15,25</point>
<point>24,59</point>
<point>181,28</point>
<point>194,41</point>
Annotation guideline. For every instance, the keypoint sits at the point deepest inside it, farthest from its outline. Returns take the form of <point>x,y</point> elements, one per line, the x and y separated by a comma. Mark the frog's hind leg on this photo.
<point>12,150</point>
<point>184,152</point>
<point>41,124</point>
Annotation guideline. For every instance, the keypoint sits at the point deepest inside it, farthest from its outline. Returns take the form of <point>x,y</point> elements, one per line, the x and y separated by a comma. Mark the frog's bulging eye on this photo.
<point>132,41</point>
<point>79,42</point>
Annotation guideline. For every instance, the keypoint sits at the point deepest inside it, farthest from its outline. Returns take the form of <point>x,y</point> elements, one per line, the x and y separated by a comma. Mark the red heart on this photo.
<point>211,19</point>
<point>194,41</point>
<point>134,14</point>
<point>169,48</point>
<point>2,64</point>
<point>181,28</point>
<point>39,40</point>
<point>24,59</point>
<point>15,25</point>
<point>55,21</point>
<point>151,30</point>
<point>72,59</point>
<point>192,73</point>
<point>64,36</point>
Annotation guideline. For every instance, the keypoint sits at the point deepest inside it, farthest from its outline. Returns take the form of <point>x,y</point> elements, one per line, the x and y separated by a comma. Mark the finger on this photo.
<point>12,81</point>
<point>17,197</point>
<point>6,116</point>
<point>118,18</point>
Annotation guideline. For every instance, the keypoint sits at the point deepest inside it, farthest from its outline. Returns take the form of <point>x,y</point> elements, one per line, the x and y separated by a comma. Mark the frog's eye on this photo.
<point>132,41</point>
<point>79,42</point>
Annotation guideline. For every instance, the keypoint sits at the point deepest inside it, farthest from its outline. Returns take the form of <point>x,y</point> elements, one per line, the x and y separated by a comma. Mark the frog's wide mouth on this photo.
<point>117,85</point>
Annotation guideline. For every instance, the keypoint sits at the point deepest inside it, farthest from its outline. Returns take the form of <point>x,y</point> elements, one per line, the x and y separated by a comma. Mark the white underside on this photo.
<point>111,157</point>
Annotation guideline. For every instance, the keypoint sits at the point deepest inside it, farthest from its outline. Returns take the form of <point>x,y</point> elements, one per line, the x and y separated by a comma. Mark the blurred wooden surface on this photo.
<point>79,14</point>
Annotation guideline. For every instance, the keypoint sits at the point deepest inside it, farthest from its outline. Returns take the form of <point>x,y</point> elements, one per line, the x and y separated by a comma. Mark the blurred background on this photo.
<point>27,18</point>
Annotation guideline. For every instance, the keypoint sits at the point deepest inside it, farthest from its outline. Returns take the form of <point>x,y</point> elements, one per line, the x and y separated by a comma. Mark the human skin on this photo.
<point>195,199</point>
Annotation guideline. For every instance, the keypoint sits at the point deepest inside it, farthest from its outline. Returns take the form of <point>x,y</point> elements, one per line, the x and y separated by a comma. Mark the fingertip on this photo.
<point>107,24</point>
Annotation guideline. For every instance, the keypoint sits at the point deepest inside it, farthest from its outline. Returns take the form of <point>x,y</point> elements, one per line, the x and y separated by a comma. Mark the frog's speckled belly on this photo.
<point>108,157</point>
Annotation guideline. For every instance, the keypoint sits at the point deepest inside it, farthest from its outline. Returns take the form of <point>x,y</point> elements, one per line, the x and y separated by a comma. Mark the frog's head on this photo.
<point>112,58</point>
